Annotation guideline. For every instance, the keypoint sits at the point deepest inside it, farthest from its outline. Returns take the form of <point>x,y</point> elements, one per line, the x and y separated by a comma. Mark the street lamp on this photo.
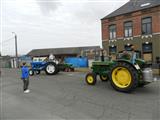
<point>16,51</point>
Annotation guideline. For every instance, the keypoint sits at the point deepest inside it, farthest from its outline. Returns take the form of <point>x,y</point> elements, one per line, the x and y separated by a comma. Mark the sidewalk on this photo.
<point>82,69</point>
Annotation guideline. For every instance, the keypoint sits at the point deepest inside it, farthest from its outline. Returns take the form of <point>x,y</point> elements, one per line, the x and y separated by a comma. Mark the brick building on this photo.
<point>135,23</point>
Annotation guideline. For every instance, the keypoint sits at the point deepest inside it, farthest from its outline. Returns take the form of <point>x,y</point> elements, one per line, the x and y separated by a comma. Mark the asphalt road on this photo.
<point>67,97</point>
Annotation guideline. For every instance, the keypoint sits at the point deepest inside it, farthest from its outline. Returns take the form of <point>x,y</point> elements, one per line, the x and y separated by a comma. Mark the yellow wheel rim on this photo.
<point>90,79</point>
<point>104,77</point>
<point>121,77</point>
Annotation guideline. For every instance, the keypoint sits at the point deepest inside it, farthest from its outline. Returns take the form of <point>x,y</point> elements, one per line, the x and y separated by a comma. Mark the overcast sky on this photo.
<point>53,23</point>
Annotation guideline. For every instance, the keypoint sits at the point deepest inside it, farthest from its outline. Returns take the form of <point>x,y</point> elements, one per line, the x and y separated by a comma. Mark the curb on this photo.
<point>82,69</point>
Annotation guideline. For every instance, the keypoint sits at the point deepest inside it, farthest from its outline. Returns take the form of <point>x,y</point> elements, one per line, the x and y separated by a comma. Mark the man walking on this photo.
<point>25,77</point>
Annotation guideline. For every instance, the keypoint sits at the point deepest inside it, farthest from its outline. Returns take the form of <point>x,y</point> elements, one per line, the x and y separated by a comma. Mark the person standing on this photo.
<point>25,77</point>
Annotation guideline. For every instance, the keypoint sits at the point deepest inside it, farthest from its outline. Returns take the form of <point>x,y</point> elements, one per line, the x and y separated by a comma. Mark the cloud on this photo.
<point>50,23</point>
<point>90,11</point>
<point>48,6</point>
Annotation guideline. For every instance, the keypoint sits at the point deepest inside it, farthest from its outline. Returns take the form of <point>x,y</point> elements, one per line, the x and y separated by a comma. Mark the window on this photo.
<point>146,26</point>
<point>145,4</point>
<point>128,29</point>
<point>147,47</point>
<point>127,47</point>
<point>112,31</point>
<point>112,49</point>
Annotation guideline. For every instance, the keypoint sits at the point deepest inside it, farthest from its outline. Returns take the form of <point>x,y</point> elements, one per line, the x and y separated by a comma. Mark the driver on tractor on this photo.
<point>133,55</point>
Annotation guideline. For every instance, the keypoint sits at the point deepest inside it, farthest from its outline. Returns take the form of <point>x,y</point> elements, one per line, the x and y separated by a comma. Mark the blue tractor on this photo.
<point>43,64</point>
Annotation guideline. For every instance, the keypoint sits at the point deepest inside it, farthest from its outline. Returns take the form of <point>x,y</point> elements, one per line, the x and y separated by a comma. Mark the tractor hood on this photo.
<point>140,61</point>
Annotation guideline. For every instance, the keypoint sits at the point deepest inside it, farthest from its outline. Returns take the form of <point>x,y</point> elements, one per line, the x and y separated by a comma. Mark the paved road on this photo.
<point>66,96</point>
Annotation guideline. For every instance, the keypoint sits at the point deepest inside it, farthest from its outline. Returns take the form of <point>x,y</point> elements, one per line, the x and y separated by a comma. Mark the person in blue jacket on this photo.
<point>134,55</point>
<point>25,77</point>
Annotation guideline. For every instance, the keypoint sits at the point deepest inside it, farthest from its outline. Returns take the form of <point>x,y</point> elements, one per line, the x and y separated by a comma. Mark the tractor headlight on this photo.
<point>137,66</point>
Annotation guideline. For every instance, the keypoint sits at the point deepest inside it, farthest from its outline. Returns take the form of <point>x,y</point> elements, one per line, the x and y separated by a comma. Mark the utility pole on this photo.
<point>16,51</point>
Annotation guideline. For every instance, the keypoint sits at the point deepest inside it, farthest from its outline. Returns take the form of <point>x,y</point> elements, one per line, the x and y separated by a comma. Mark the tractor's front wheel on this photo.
<point>124,77</point>
<point>91,79</point>
<point>104,78</point>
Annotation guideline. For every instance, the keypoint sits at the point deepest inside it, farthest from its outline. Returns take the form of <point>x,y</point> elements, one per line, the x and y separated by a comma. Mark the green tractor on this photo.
<point>123,74</point>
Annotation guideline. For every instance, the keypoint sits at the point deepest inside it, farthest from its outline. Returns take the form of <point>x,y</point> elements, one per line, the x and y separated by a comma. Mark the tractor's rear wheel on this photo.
<point>37,72</point>
<point>124,77</point>
<point>31,72</point>
<point>104,78</point>
<point>91,79</point>
<point>51,68</point>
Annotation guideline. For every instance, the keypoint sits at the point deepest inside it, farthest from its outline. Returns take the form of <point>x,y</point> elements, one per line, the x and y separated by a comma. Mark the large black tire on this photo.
<point>37,72</point>
<point>91,79</point>
<point>104,78</point>
<point>31,72</point>
<point>124,77</point>
<point>51,68</point>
